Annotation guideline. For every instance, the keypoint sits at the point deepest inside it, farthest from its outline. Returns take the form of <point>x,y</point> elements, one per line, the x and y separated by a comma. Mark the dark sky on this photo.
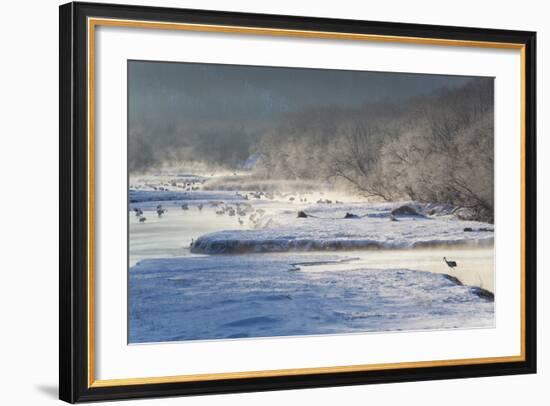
<point>192,94</point>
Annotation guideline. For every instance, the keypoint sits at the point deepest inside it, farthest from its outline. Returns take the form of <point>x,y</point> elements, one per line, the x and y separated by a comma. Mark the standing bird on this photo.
<point>451,264</point>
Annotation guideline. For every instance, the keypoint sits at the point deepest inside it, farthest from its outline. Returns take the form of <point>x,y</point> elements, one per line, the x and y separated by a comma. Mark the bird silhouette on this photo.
<point>451,264</point>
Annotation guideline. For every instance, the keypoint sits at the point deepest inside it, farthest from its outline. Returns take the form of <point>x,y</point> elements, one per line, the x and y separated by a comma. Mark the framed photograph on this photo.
<point>258,202</point>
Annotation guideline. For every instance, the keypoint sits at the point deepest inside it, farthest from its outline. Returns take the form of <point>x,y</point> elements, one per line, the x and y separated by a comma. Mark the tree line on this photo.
<point>436,148</point>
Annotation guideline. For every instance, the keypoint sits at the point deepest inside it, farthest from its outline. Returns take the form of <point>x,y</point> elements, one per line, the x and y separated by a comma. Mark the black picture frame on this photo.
<point>74,385</point>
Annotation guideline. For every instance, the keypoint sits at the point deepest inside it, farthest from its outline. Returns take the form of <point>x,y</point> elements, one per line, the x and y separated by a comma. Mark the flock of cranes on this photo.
<point>241,210</point>
<point>142,219</point>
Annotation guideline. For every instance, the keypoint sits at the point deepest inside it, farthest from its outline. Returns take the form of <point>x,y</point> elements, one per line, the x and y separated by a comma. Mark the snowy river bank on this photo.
<point>183,285</point>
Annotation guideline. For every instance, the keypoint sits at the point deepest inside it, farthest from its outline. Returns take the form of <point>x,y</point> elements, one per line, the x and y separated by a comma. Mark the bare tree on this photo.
<point>436,148</point>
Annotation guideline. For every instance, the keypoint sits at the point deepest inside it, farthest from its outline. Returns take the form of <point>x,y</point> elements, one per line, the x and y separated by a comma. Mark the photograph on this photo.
<point>272,201</point>
<point>255,201</point>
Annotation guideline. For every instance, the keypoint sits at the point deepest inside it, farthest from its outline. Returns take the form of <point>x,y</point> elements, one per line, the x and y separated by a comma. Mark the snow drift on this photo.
<point>327,228</point>
<point>268,295</point>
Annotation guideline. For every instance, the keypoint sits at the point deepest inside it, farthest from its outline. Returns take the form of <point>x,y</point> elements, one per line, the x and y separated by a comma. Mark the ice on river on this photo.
<point>326,228</point>
<point>268,295</point>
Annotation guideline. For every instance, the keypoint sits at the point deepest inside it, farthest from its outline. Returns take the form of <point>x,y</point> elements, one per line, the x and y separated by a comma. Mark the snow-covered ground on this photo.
<point>327,229</point>
<point>266,295</point>
<point>294,278</point>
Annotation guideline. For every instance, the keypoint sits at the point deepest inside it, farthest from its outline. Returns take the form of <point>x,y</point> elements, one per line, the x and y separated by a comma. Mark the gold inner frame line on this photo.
<point>94,22</point>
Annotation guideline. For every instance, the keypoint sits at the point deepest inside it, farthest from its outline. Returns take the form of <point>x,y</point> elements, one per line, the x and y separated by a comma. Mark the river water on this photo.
<point>171,234</point>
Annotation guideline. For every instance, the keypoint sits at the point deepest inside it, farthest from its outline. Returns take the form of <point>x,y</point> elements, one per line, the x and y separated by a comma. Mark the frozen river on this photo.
<point>178,295</point>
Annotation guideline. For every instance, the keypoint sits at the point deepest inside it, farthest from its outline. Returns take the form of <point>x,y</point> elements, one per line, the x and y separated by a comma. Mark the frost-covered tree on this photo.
<point>436,148</point>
